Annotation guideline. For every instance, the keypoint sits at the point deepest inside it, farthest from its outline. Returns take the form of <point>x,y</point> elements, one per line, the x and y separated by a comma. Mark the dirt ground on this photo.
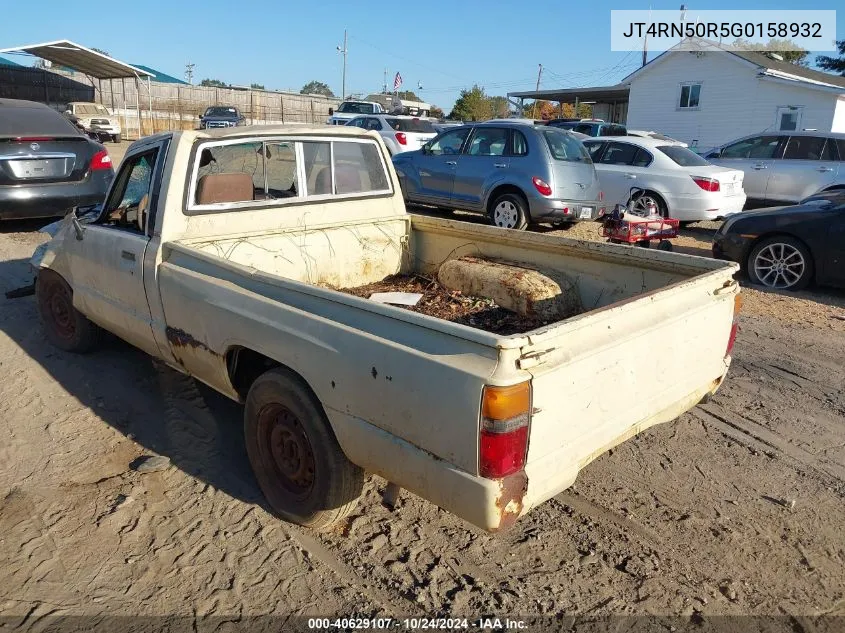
<point>734,508</point>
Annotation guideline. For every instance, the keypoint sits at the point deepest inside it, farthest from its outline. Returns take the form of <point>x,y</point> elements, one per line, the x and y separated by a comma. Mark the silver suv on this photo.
<point>784,168</point>
<point>514,172</point>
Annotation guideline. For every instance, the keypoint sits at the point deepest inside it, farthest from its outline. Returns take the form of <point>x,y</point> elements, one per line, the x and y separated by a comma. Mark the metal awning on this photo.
<point>600,94</point>
<point>75,56</point>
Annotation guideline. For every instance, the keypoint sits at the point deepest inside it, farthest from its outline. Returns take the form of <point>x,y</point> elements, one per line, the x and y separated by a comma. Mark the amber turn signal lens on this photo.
<point>504,403</point>
<point>737,303</point>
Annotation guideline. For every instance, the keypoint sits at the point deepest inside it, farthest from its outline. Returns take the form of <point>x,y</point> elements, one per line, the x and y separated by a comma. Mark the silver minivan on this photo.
<point>785,167</point>
<point>514,172</point>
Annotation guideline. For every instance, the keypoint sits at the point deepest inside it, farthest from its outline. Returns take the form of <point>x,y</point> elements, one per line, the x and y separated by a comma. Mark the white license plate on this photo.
<point>586,213</point>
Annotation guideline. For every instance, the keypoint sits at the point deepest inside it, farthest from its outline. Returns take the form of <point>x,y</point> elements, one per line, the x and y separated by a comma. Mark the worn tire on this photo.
<point>791,245</point>
<point>514,206</point>
<point>65,326</point>
<point>116,138</point>
<point>299,465</point>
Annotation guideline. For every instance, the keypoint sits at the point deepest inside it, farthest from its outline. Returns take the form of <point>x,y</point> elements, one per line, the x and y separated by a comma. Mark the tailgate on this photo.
<point>607,375</point>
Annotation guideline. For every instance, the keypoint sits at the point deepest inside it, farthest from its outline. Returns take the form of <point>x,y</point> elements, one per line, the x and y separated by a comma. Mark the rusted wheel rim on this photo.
<point>285,450</point>
<point>61,312</point>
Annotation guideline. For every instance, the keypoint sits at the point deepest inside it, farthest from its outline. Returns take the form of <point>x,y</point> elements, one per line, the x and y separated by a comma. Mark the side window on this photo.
<point>584,128</point>
<point>594,149</point>
<point>358,122</point>
<point>230,173</point>
<point>316,158</point>
<point>642,158</point>
<point>450,142</point>
<point>806,148</point>
<point>690,94</point>
<point>488,141</point>
<point>519,145</point>
<point>358,168</point>
<point>281,170</point>
<point>840,144</point>
<point>619,154</point>
<point>755,147</point>
<point>373,124</point>
<point>131,191</point>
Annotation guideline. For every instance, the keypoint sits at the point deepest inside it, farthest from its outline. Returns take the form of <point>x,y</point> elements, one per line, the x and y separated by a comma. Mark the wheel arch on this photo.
<point>501,189</point>
<point>656,192</point>
<point>244,365</point>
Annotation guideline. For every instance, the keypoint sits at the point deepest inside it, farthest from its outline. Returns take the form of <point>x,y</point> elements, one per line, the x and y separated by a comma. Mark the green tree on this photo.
<point>214,83</point>
<point>790,53</point>
<point>257,86</point>
<point>316,88</point>
<point>472,105</point>
<point>436,112</point>
<point>833,64</point>
<point>499,107</point>
<point>408,95</point>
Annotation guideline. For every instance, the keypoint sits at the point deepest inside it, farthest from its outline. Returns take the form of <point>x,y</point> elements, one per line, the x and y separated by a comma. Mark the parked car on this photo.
<point>785,168</point>
<point>593,128</point>
<point>655,135</point>
<point>399,133</point>
<point>513,172</point>
<point>679,182</point>
<point>221,116</point>
<point>47,166</point>
<point>248,300</point>
<point>348,110</point>
<point>789,247</point>
<point>95,119</point>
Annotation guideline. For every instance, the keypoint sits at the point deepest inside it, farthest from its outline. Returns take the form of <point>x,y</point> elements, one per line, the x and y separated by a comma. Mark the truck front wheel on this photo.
<point>65,326</point>
<point>294,454</point>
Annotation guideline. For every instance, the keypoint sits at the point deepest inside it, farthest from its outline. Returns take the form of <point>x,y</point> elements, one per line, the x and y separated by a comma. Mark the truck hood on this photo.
<point>219,118</point>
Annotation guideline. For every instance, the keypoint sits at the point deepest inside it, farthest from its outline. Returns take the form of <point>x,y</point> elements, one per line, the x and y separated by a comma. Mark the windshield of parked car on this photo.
<point>565,147</point>
<point>221,111</point>
<point>354,107</point>
<point>411,125</point>
<point>683,156</point>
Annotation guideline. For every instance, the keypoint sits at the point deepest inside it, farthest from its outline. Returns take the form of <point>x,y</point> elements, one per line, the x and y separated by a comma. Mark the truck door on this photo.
<point>107,264</point>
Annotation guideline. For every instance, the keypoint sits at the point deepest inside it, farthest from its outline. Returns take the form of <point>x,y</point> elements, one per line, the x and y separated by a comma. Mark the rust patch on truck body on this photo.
<point>512,491</point>
<point>180,338</point>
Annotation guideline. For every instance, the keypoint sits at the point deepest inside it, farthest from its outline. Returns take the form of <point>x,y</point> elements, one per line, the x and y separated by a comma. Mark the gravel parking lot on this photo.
<point>734,508</point>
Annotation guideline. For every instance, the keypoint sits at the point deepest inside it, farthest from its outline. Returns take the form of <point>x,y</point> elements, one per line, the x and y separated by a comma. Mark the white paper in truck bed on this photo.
<point>397,298</point>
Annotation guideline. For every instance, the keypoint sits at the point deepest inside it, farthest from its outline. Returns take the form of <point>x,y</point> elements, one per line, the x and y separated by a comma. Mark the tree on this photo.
<point>833,64</point>
<point>500,107</point>
<point>316,88</point>
<point>472,105</point>
<point>541,110</point>
<point>436,112</point>
<point>408,95</point>
<point>257,86</point>
<point>214,83</point>
<point>791,53</point>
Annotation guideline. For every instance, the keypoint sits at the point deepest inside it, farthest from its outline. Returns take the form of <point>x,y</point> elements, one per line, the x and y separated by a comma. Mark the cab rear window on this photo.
<point>412,125</point>
<point>565,147</point>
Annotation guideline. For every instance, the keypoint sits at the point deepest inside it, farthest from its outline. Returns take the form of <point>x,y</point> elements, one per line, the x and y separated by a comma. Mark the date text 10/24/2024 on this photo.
<point>416,624</point>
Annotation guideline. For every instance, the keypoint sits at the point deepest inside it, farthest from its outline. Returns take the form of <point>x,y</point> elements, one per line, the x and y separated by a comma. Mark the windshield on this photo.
<point>412,125</point>
<point>352,107</point>
<point>683,156</point>
<point>221,111</point>
<point>565,147</point>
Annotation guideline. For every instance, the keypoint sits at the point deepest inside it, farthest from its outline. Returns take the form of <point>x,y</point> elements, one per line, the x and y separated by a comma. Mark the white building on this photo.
<point>710,96</point>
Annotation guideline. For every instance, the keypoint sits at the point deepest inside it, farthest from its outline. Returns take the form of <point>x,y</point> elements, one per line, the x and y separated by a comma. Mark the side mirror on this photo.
<point>77,225</point>
<point>426,149</point>
<point>331,111</point>
<point>68,112</point>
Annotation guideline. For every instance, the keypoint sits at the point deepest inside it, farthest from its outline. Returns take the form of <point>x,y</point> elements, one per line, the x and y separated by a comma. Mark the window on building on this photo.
<point>690,94</point>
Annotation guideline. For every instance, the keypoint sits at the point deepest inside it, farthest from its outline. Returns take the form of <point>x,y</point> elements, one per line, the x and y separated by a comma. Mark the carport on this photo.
<point>90,63</point>
<point>609,102</point>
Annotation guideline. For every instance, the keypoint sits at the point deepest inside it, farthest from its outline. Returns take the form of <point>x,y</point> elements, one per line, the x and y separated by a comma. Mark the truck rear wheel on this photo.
<point>65,326</point>
<point>294,454</point>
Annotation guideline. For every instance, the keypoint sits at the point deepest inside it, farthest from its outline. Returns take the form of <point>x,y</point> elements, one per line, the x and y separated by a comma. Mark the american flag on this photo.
<point>397,81</point>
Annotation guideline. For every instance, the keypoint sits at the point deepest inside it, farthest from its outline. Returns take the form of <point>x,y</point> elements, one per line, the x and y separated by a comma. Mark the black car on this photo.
<point>47,166</point>
<point>788,247</point>
<point>221,116</point>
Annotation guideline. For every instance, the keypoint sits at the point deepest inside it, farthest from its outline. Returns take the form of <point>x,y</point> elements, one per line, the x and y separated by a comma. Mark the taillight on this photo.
<point>101,160</point>
<point>735,325</point>
<point>400,136</point>
<point>601,196</point>
<point>542,186</point>
<point>503,440</point>
<point>708,184</point>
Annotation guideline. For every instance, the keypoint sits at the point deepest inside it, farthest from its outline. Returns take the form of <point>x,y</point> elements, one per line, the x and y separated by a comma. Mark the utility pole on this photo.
<point>189,72</point>
<point>539,76</point>
<point>384,85</point>
<point>343,51</point>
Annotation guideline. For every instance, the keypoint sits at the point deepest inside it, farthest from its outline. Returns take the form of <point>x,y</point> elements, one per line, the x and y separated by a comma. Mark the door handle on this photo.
<point>128,256</point>
<point>631,176</point>
<point>824,169</point>
<point>759,166</point>
<point>451,162</point>
<point>500,165</point>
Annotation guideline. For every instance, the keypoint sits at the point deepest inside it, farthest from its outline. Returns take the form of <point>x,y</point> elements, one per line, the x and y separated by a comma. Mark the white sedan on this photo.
<point>678,181</point>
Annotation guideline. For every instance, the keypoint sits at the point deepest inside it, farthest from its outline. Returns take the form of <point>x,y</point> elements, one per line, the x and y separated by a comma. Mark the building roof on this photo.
<point>9,62</point>
<point>802,72</point>
<point>160,76</point>
<point>78,57</point>
<point>602,94</point>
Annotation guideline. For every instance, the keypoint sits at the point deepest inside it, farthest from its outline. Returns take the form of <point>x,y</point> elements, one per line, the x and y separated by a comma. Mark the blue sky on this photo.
<point>283,44</point>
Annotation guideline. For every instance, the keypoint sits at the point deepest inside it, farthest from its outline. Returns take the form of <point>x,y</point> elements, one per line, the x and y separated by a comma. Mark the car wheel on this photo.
<point>65,326</point>
<point>116,138</point>
<point>300,467</point>
<point>642,201</point>
<point>509,211</point>
<point>780,262</point>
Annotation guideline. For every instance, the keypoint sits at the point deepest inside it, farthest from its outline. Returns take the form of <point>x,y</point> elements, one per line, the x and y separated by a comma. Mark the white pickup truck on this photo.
<point>349,110</point>
<point>221,252</point>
